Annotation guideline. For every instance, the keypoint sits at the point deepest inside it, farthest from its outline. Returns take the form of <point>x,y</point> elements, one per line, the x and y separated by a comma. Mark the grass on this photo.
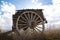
<point>52,34</point>
<point>47,35</point>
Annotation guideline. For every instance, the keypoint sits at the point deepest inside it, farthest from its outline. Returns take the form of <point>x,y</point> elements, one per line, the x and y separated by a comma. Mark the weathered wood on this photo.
<point>25,19</point>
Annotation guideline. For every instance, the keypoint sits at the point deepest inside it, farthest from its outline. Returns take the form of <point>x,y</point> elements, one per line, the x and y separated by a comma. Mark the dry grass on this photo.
<point>47,35</point>
<point>52,34</point>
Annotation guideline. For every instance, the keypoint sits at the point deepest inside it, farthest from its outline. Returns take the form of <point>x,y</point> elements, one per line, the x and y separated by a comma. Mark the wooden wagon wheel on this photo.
<point>29,19</point>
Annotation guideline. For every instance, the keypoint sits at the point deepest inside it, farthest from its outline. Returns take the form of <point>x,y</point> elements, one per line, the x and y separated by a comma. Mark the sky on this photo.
<point>51,11</point>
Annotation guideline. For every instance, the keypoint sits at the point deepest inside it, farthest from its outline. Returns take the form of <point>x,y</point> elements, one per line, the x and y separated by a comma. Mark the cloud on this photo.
<point>34,1</point>
<point>55,2</point>
<point>6,12</point>
<point>7,7</point>
<point>51,12</point>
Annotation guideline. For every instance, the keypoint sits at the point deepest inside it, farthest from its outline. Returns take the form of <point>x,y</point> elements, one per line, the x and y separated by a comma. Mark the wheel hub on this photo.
<point>31,24</point>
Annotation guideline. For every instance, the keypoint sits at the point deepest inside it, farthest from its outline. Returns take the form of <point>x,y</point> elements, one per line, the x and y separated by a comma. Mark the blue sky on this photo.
<point>24,3</point>
<point>8,8</point>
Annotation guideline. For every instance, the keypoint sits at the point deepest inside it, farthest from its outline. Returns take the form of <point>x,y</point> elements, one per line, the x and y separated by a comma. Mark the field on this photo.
<point>47,35</point>
<point>52,34</point>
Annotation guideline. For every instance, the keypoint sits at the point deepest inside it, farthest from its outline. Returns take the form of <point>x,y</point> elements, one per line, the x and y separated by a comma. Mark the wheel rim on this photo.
<point>30,19</point>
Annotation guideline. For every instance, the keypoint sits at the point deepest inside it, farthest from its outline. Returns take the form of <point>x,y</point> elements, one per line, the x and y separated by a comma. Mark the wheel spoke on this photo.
<point>22,21</point>
<point>22,24</point>
<point>24,28</point>
<point>38,29</point>
<point>23,18</point>
<point>35,29</point>
<point>38,21</point>
<point>26,16</point>
<point>34,17</point>
<point>31,16</point>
